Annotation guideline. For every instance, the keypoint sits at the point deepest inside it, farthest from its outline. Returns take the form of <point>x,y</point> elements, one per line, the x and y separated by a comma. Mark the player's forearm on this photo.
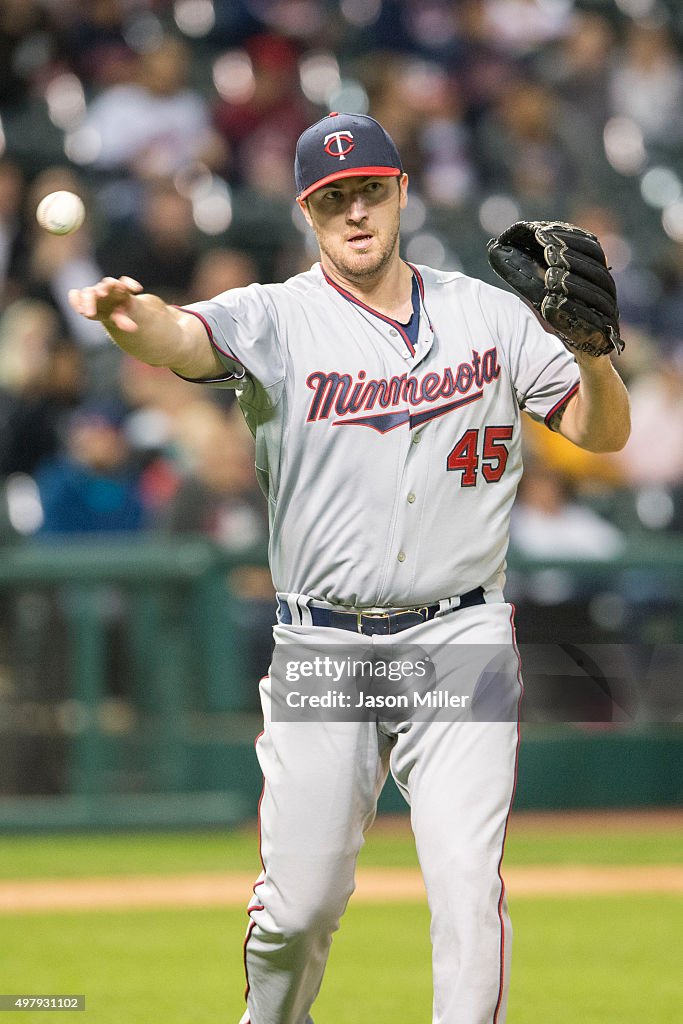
<point>165,336</point>
<point>598,418</point>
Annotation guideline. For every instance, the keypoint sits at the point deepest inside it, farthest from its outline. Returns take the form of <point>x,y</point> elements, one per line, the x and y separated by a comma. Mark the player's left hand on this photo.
<point>562,271</point>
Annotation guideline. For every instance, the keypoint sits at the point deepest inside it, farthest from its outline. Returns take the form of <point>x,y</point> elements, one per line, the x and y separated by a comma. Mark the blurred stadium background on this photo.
<point>135,606</point>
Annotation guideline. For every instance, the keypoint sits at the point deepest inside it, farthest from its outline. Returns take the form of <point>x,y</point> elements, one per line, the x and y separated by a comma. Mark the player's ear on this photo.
<point>303,206</point>
<point>403,189</point>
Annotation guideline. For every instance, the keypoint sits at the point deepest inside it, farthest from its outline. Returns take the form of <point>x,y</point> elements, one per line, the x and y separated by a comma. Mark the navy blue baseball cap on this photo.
<point>343,146</point>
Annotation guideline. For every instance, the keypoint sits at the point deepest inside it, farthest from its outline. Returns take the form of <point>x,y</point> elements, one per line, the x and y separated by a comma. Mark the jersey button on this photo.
<point>401,556</point>
<point>393,333</point>
<point>411,498</point>
<point>417,438</point>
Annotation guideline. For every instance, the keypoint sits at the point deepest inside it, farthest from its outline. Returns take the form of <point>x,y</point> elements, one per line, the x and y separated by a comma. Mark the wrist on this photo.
<point>595,366</point>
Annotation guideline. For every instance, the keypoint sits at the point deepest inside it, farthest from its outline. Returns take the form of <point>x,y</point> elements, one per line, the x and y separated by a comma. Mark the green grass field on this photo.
<point>610,960</point>
<point>77,856</point>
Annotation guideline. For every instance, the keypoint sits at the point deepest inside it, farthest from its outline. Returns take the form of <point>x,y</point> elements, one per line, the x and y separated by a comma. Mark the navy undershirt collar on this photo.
<point>409,332</point>
<point>412,328</point>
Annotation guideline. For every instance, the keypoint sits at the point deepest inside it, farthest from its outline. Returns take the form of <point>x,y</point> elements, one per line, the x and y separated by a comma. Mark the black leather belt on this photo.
<point>378,623</point>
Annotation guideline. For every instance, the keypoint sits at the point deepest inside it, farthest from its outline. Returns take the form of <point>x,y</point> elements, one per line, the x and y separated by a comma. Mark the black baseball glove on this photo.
<point>561,270</point>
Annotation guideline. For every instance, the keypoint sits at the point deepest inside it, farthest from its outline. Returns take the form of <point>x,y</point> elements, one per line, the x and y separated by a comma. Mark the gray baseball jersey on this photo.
<point>390,468</point>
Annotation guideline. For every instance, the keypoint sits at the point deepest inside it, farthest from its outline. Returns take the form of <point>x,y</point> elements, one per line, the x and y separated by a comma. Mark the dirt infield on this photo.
<point>374,885</point>
<point>631,820</point>
<point>636,819</point>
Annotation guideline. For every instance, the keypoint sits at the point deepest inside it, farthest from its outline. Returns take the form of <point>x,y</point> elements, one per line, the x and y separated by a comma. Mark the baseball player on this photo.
<point>385,400</point>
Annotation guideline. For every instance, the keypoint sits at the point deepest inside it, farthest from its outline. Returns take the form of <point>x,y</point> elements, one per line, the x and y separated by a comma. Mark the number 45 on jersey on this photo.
<point>466,455</point>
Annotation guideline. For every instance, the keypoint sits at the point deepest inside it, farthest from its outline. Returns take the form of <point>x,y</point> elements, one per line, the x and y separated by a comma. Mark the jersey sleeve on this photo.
<point>544,373</point>
<point>242,329</point>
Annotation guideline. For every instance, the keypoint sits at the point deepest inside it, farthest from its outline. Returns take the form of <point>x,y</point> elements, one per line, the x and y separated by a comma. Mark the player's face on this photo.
<point>356,222</point>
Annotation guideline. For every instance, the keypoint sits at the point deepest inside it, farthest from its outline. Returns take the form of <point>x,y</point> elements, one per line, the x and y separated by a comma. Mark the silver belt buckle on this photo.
<point>423,611</point>
<point>369,615</point>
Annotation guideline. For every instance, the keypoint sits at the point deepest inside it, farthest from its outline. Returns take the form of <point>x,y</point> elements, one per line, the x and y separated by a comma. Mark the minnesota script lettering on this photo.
<point>343,395</point>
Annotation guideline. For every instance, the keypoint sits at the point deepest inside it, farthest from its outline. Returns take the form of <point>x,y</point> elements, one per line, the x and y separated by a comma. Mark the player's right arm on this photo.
<point>146,327</point>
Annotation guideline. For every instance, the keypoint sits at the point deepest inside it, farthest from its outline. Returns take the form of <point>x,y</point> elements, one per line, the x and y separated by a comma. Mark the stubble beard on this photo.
<point>360,271</point>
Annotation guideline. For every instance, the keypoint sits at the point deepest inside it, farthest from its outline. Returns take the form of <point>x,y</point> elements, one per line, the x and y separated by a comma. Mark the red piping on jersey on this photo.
<point>507,819</point>
<point>558,405</point>
<point>214,344</point>
<point>352,172</point>
<point>252,925</point>
<point>387,319</point>
<point>420,282</point>
<point>258,906</point>
<point>421,289</point>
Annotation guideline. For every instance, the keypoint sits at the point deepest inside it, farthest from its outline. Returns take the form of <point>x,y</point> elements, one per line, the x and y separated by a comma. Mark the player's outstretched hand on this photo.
<point>111,299</point>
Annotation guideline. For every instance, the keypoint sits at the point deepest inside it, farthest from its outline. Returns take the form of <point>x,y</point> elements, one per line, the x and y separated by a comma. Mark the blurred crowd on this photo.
<point>177,121</point>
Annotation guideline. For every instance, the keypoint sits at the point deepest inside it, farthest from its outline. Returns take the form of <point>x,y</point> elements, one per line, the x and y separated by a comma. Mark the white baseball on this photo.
<point>60,213</point>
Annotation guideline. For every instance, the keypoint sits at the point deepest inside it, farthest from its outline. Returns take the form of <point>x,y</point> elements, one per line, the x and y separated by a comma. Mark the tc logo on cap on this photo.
<point>342,146</point>
<point>338,144</point>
